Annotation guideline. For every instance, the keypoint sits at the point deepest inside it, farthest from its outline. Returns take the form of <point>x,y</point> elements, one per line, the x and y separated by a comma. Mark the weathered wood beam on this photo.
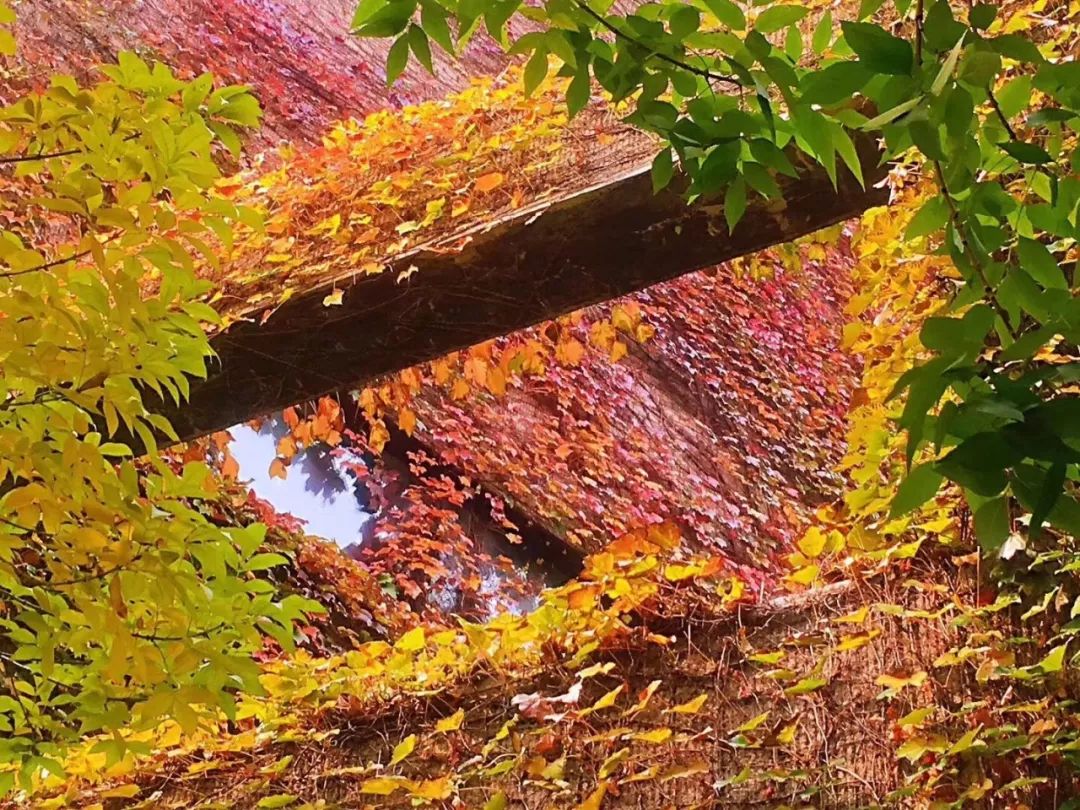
<point>539,263</point>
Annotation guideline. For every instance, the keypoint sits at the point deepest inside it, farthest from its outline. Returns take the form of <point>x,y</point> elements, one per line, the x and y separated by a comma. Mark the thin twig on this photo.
<point>954,218</point>
<point>47,265</point>
<point>671,60</point>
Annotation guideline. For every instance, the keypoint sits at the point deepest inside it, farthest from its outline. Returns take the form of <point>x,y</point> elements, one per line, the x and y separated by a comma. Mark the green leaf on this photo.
<point>735,203</point>
<point>1015,96</point>
<point>1048,497</point>
<point>979,463</point>
<point>577,94</point>
<point>536,70</point>
<point>891,115</point>
<point>397,59</point>
<point>1029,153</point>
<point>867,8</point>
<point>931,217</point>
<point>418,44</point>
<point>947,67</point>
<point>1018,47</point>
<point>1054,660</point>
<point>727,13</point>
<point>879,50</point>
<point>769,154</point>
<point>920,485</point>
<point>776,18</point>
<point>1040,264</point>
<point>389,20</point>
<point>992,524</point>
<point>760,180</point>
<point>433,18</point>
<point>836,83</point>
<point>813,128</point>
<point>663,169</point>
<point>822,34</point>
<point>982,15</point>
<point>684,21</point>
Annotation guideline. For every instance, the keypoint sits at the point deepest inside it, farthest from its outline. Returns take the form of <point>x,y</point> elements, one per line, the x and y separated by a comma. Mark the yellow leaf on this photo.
<point>497,802</point>
<point>753,723</point>
<point>411,641</point>
<point>804,576</point>
<point>451,723</point>
<point>676,573</point>
<point>691,706</point>
<point>611,764</point>
<point>643,776</point>
<point>403,749</point>
<point>854,618</point>
<point>122,792</point>
<point>643,698</point>
<point>813,542</point>
<point>658,735</point>
<point>916,717</point>
<point>681,771</point>
<point>618,351</point>
<point>605,701</point>
<point>489,182</point>
<point>433,789</point>
<point>595,799</point>
<point>853,642</point>
<point>787,734</point>
<point>383,785</point>
<point>893,682</point>
<point>333,299</point>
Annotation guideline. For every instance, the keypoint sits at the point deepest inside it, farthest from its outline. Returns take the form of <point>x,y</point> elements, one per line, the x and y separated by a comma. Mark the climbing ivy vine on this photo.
<point>741,95</point>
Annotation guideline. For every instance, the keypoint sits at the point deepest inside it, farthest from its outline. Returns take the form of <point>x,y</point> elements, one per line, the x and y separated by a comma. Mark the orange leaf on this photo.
<point>489,182</point>
<point>277,469</point>
<point>230,468</point>
<point>496,382</point>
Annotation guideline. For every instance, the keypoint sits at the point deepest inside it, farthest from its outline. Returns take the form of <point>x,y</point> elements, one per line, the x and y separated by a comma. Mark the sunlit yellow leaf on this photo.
<point>411,641</point>
<point>691,706</point>
<point>383,785</point>
<point>754,722</point>
<point>595,799</point>
<point>657,735</point>
<point>403,749</point>
<point>451,723</point>
<point>121,792</point>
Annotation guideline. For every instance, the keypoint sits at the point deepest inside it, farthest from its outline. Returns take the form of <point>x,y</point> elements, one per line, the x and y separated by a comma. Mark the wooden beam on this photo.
<point>539,263</point>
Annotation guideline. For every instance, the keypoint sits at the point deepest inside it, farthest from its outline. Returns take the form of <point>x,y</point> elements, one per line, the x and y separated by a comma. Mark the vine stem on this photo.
<point>671,60</point>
